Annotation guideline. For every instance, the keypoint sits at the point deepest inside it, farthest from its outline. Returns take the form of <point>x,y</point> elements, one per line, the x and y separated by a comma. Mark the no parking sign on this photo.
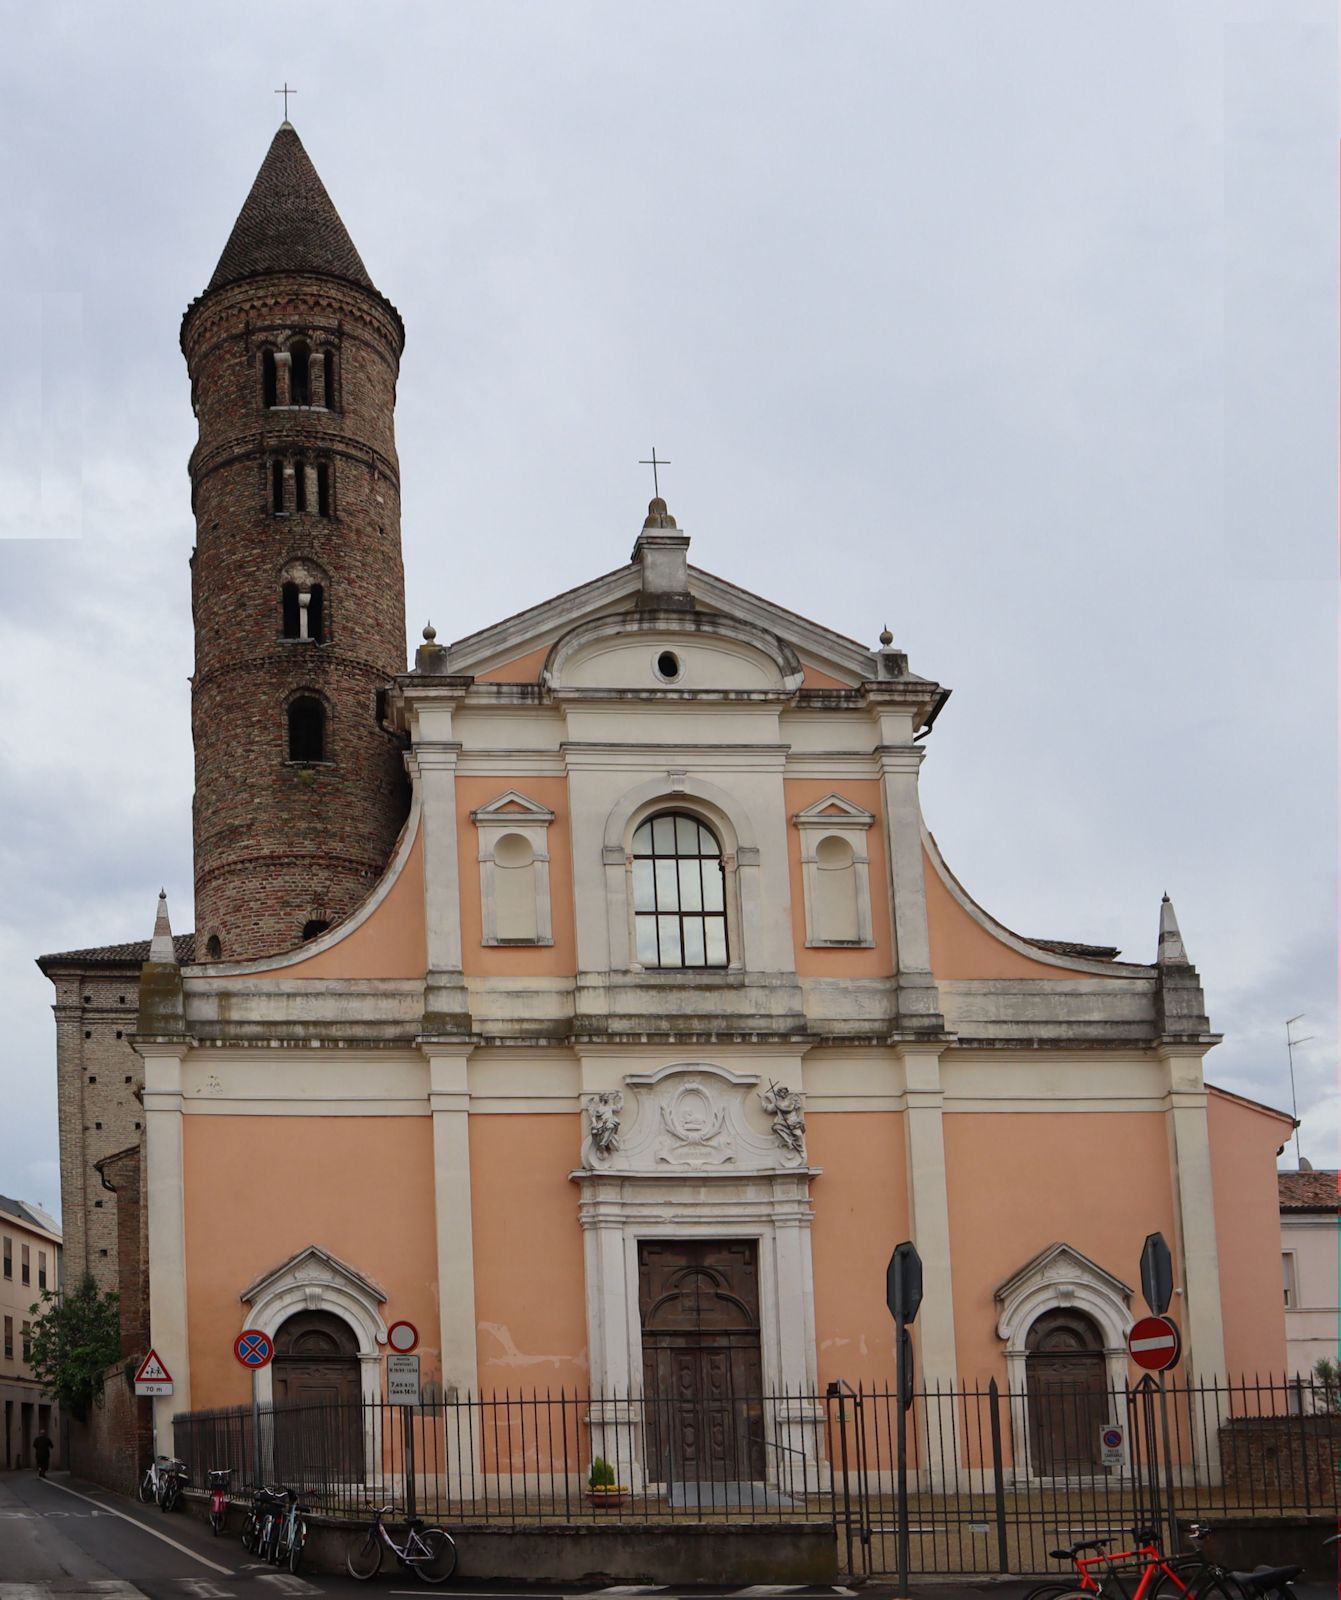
<point>1110,1444</point>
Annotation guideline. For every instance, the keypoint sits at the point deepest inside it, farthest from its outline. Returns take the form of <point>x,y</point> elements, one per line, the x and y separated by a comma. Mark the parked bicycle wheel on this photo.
<point>1184,1582</point>
<point>250,1528</point>
<point>296,1546</point>
<point>169,1494</point>
<point>1049,1591</point>
<point>147,1487</point>
<point>441,1562</point>
<point>363,1555</point>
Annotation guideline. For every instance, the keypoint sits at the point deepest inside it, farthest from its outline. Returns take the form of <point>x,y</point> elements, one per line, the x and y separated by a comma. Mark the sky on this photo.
<point>1013,327</point>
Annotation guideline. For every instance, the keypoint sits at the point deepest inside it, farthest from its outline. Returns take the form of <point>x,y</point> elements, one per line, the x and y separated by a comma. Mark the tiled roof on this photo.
<point>1307,1191</point>
<point>134,954</point>
<point>1068,947</point>
<point>288,223</point>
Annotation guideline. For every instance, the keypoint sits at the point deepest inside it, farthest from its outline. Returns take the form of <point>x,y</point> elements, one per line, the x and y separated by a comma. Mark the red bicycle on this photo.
<point>1098,1575</point>
<point>220,1481</point>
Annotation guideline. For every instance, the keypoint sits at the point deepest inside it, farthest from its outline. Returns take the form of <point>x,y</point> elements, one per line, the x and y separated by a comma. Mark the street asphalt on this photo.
<point>61,1537</point>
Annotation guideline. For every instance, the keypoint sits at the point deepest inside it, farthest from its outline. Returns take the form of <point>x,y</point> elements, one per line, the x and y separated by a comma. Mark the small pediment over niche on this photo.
<point>513,806</point>
<point>834,808</point>
<point>316,1266</point>
<point>1060,1277</point>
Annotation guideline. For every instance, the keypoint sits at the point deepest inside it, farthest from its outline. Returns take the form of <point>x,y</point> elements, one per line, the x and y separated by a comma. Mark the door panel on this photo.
<point>702,1371</point>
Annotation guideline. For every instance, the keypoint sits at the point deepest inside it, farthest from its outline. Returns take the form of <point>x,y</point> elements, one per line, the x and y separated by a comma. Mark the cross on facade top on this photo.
<point>654,463</point>
<point>286,92</point>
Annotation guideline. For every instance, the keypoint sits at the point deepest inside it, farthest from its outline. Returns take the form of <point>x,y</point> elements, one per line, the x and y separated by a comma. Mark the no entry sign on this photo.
<point>1155,1343</point>
<point>253,1348</point>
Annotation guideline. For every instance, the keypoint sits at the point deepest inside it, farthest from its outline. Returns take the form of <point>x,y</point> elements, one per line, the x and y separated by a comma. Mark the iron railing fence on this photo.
<point>997,1477</point>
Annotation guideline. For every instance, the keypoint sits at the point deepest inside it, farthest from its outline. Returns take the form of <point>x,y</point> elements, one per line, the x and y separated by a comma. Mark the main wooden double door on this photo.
<point>702,1374</point>
<point>318,1400</point>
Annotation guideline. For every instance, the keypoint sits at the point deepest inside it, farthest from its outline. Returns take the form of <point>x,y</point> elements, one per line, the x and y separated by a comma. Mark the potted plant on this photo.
<point>601,1486</point>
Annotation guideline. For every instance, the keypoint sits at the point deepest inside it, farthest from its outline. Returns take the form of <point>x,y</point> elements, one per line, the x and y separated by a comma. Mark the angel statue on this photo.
<point>789,1119</point>
<point>603,1120</point>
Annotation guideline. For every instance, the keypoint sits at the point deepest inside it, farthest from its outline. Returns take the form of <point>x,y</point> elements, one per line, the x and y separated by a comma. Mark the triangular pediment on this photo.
<point>845,661</point>
<point>1060,1263</point>
<point>317,1266</point>
<point>515,806</point>
<point>834,808</point>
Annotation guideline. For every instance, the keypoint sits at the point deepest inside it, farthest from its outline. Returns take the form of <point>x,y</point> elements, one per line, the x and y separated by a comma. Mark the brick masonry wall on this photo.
<point>277,843</point>
<point>114,1442</point>
<point>98,1079</point>
<point>1281,1461</point>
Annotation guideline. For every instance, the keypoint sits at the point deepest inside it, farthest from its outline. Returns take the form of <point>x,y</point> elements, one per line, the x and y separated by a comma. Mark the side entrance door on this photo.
<point>702,1373</point>
<point>1068,1395</point>
<point>318,1401</point>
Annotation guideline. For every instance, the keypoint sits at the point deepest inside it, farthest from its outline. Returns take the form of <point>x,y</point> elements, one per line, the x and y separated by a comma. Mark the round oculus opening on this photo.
<point>668,664</point>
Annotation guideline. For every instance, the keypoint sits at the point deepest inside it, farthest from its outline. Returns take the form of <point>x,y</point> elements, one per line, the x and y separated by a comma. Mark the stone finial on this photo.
<point>430,633</point>
<point>886,637</point>
<point>1172,952</point>
<point>657,514</point>
<point>161,950</point>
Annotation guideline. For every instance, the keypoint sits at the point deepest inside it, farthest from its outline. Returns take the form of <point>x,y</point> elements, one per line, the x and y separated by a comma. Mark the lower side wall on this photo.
<point>116,1438</point>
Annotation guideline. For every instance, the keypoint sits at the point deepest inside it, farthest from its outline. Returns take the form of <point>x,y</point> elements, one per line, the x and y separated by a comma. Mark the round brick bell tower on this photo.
<point>298,593</point>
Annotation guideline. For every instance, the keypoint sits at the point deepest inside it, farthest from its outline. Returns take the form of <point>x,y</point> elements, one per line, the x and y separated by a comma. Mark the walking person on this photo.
<point>42,1448</point>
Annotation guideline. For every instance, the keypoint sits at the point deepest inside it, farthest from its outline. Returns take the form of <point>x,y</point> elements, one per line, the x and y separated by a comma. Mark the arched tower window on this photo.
<point>323,488</point>
<point>269,382</point>
<point>679,894</point>
<point>301,389</point>
<point>213,948</point>
<point>277,486</point>
<point>307,729</point>
<point>329,379</point>
<point>315,927</point>
<point>300,484</point>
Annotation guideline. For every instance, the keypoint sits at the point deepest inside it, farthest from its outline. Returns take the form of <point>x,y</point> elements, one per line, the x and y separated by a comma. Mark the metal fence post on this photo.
<point>998,1476</point>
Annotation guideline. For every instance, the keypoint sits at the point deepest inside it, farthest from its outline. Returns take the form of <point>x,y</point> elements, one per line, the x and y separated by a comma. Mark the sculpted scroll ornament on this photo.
<point>603,1120</point>
<point>789,1118</point>
<point>694,1131</point>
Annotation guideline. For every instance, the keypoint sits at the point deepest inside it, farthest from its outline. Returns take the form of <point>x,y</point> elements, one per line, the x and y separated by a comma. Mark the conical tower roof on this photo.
<point>288,223</point>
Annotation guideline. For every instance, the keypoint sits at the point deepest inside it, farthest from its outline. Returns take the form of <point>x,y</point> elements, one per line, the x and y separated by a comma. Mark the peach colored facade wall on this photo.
<point>877,962</point>
<point>530,1301</point>
<point>861,1213</point>
<point>525,669</point>
<point>558,960</point>
<point>963,948</point>
<point>359,1187</point>
<point>390,944</point>
<point>1020,1181</point>
<point>813,678</point>
<point>1247,1232</point>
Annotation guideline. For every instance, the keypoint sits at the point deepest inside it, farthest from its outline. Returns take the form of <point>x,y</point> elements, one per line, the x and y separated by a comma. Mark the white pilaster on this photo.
<point>919,1002</point>
<point>449,1100</point>
<point>1201,1314</point>
<point>434,767</point>
<point>165,1165</point>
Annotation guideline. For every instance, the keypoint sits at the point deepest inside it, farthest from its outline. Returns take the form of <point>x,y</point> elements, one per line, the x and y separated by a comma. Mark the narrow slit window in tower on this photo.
<point>300,485</point>
<point>268,378</point>
<point>307,729</point>
<point>330,380</point>
<point>289,598</point>
<point>213,952</point>
<point>316,628</point>
<point>323,489</point>
<point>277,486</point>
<point>302,395</point>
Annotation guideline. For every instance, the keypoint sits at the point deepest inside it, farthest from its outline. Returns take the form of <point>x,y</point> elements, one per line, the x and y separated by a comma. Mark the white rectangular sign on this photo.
<point>402,1380</point>
<point>1110,1444</point>
<point>152,1388</point>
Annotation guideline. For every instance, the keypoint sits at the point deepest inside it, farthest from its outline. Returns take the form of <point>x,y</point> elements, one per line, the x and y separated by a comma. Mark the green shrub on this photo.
<point>602,1474</point>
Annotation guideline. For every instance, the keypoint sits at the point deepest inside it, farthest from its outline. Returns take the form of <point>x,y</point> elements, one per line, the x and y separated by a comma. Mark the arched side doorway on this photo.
<point>1067,1387</point>
<point>317,1393</point>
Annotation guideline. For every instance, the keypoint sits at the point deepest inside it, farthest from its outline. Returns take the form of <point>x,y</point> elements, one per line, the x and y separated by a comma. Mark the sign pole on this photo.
<point>407,1430</point>
<point>903,1296</point>
<point>1169,1506</point>
<point>256,1428</point>
<point>900,1334</point>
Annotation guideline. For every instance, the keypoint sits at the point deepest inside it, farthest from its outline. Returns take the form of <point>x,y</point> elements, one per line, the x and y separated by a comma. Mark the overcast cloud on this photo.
<point>1012,325</point>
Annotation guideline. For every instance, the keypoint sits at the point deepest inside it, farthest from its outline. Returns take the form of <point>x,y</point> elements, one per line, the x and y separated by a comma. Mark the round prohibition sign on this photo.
<point>1155,1343</point>
<point>253,1348</point>
<point>402,1337</point>
<point>1112,1438</point>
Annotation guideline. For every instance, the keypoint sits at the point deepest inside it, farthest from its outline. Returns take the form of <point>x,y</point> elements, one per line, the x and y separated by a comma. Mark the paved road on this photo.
<point>61,1539</point>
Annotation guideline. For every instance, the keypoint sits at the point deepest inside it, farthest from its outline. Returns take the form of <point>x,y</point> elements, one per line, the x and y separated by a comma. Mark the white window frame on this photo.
<point>1289,1261</point>
<point>512,812</point>
<point>835,817</point>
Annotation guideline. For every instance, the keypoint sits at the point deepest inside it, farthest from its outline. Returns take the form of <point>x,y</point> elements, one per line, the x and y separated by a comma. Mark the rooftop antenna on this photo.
<point>1290,1042</point>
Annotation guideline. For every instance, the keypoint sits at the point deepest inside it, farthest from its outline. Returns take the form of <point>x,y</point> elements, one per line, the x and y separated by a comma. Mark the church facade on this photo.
<point>594,995</point>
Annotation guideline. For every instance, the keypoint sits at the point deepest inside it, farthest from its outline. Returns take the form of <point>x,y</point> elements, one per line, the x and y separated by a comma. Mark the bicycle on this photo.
<point>1210,1578</point>
<point>430,1553</point>
<point>1159,1574</point>
<point>150,1485</point>
<point>171,1479</point>
<point>220,1481</point>
<point>256,1529</point>
<point>290,1532</point>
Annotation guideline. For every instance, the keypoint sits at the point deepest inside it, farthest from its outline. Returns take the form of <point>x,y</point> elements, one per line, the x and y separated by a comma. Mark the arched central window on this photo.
<point>307,729</point>
<point>679,896</point>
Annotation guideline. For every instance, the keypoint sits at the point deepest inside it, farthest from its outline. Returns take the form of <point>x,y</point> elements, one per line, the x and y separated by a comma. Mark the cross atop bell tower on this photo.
<point>297,583</point>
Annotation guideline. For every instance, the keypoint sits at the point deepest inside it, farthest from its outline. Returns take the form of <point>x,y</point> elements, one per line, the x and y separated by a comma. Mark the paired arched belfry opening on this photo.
<point>298,376</point>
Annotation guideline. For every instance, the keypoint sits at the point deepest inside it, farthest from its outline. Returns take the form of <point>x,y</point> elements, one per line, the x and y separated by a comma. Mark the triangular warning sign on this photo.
<point>152,1370</point>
